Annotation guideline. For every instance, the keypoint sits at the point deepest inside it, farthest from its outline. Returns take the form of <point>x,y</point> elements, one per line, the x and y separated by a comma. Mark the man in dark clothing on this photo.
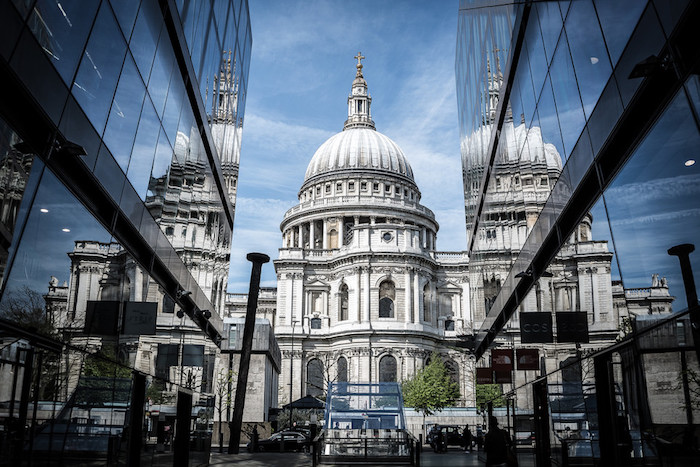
<point>468,438</point>
<point>497,445</point>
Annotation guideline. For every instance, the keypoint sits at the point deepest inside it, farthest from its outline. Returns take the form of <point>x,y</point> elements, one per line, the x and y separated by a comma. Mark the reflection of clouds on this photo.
<point>682,186</point>
<point>660,217</point>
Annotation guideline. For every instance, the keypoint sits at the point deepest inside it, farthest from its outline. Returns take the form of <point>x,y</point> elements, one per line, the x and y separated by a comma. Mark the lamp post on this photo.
<point>291,375</point>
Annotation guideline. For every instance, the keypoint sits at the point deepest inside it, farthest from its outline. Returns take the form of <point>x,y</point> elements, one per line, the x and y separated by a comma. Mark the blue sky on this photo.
<point>301,70</point>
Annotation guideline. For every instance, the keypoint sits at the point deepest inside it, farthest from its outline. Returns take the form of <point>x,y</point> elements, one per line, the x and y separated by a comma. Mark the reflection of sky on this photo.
<point>654,202</point>
<point>44,246</point>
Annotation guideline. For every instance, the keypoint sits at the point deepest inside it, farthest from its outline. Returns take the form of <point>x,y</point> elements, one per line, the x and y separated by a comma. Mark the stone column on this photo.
<point>407,296</point>
<point>300,238</point>
<point>366,295</point>
<point>289,304</point>
<point>424,242</point>
<point>358,300</point>
<point>466,309</point>
<point>325,235</point>
<point>312,235</point>
<point>356,235</point>
<point>416,297</point>
<point>341,231</point>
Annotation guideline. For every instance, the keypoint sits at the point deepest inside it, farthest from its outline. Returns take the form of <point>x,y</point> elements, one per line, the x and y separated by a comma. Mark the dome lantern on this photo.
<point>359,101</point>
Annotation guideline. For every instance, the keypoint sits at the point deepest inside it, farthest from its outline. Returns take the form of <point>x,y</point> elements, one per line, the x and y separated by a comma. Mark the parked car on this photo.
<point>293,441</point>
<point>451,434</point>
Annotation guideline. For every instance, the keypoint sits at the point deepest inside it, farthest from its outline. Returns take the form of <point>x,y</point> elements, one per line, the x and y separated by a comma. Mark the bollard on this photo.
<point>258,259</point>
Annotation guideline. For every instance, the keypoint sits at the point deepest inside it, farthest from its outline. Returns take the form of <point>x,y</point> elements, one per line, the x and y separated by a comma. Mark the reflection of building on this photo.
<point>577,81</point>
<point>117,189</point>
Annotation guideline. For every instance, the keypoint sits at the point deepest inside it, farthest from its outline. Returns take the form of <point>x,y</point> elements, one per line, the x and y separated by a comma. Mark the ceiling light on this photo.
<point>44,210</point>
<point>689,162</point>
<point>65,230</point>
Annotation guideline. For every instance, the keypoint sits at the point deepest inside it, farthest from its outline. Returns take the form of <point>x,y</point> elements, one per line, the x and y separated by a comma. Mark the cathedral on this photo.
<point>362,293</point>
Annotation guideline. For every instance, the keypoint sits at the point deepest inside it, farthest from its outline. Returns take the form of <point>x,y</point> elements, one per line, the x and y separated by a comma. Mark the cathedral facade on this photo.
<point>362,293</point>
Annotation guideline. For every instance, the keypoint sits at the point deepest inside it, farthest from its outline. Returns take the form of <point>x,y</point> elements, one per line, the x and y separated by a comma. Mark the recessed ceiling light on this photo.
<point>689,162</point>
<point>65,230</point>
<point>44,210</point>
<point>594,60</point>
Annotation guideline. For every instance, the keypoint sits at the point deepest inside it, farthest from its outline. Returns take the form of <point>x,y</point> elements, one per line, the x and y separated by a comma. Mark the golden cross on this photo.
<point>359,57</point>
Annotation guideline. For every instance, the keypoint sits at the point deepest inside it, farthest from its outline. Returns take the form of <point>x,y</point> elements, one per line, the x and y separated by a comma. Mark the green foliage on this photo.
<point>104,364</point>
<point>431,389</point>
<point>489,393</point>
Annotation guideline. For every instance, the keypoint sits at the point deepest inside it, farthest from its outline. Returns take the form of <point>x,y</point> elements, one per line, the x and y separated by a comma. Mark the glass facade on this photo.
<point>580,127</point>
<point>120,126</point>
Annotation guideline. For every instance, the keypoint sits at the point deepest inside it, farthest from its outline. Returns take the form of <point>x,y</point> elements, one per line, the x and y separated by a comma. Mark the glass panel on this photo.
<point>124,114</point>
<point>141,160</point>
<point>160,73</point>
<point>653,202</point>
<point>548,120</point>
<point>618,19</point>
<point>125,11</point>
<point>588,53</point>
<point>145,36</point>
<point>62,28</point>
<point>99,70</point>
<point>566,96</point>
<point>550,24</point>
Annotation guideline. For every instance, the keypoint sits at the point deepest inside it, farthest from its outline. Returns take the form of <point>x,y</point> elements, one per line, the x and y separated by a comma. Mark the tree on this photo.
<point>224,382</point>
<point>431,389</point>
<point>486,393</point>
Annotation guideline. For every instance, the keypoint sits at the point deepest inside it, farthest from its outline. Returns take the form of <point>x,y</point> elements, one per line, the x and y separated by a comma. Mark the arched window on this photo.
<point>333,238</point>
<point>342,370</point>
<point>315,323</point>
<point>343,302</point>
<point>387,294</point>
<point>314,378</point>
<point>427,299</point>
<point>387,369</point>
<point>452,370</point>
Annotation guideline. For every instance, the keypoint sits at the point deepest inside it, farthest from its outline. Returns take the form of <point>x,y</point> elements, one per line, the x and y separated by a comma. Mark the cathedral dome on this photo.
<point>359,149</point>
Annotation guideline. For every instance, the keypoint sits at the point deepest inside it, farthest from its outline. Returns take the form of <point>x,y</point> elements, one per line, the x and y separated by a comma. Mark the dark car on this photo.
<point>451,435</point>
<point>293,441</point>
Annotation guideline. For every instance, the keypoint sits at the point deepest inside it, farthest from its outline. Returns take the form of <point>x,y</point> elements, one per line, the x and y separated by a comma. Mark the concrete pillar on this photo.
<point>407,296</point>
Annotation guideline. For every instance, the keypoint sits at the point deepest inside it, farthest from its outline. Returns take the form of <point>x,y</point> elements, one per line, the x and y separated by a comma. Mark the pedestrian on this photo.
<point>498,447</point>
<point>440,441</point>
<point>255,438</point>
<point>468,439</point>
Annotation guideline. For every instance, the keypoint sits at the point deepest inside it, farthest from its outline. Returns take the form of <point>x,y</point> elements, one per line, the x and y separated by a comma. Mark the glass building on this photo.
<point>579,136</point>
<point>120,129</point>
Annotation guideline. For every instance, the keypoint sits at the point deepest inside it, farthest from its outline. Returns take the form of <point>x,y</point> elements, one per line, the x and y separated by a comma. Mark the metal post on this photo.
<point>135,430</point>
<point>683,252</point>
<point>258,259</point>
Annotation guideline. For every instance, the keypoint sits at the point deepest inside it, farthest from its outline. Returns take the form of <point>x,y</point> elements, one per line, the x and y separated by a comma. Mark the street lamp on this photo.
<point>291,375</point>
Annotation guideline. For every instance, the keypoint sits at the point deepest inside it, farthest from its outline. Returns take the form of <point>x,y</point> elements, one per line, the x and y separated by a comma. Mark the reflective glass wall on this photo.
<point>115,219</point>
<point>585,314</point>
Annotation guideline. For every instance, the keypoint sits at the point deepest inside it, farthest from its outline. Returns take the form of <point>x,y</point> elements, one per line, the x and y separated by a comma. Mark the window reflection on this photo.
<point>62,28</point>
<point>653,202</point>
<point>141,160</point>
<point>99,69</point>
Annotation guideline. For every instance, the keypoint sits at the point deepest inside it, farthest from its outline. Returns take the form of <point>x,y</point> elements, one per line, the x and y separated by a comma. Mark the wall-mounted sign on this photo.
<point>503,377</point>
<point>572,326</point>
<point>101,318</point>
<point>502,359</point>
<point>140,318</point>
<point>527,359</point>
<point>484,376</point>
<point>536,327</point>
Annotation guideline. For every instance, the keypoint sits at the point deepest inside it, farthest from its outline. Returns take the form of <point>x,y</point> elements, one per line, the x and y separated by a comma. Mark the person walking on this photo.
<point>498,447</point>
<point>468,439</point>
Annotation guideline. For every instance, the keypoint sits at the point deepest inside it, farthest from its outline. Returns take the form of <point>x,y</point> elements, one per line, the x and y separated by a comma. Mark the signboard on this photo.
<point>484,376</point>
<point>101,318</point>
<point>528,359</point>
<point>503,377</point>
<point>502,359</point>
<point>536,327</point>
<point>572,326</point>
<point>140,318</point>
